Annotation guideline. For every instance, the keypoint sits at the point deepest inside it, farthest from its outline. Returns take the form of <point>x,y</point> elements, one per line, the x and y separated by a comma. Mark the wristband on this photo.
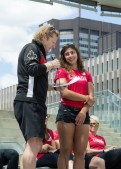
<point>87,99</point>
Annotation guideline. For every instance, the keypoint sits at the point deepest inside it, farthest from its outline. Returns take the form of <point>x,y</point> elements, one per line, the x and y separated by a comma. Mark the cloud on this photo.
<point>27,13</point>
<point>7,80</point>
<point>18,21</point>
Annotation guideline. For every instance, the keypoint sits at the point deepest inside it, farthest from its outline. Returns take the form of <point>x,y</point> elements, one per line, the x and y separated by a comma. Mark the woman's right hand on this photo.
<point>80,118</point>
<point>45,148</point>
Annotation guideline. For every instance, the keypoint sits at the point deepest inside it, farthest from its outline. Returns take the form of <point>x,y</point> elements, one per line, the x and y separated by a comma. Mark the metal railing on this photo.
<point>107,107</point>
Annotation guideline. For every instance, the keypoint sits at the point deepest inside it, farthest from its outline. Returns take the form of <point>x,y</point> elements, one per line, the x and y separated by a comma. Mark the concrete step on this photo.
<point>10,132</point>
<point>11,145</point>
<point>109,133</point>
<point>6,114</point>
<point>9,123</point>
<point>19,140</point>
<point>111,136</point>
<point>107,129</point>
<point>15,135</point>
<point>9,129</point>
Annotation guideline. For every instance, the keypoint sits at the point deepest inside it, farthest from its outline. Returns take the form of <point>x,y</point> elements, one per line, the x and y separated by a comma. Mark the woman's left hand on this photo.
<point>80,118</point>
<point>110,148</point>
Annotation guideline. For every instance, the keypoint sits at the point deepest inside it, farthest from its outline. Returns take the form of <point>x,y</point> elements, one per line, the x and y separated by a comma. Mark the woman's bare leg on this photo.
<point>66,133</point>
<point>80,145</point>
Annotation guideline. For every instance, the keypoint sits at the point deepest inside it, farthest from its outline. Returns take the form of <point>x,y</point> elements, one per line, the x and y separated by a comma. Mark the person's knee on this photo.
<point>99,162</point>
<point>11,153</point>
<point>34,144</point>
<point>66,151</point>
<point>15,155</point>
<point>79,154</point>
<point>96,162</point>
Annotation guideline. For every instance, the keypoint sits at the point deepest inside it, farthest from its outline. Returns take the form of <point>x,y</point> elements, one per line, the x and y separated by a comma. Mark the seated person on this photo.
<point>97,147</point>
<point>9,157</point>
<point>47,157</point>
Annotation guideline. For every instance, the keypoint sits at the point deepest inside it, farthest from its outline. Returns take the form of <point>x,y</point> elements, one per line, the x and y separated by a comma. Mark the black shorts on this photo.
<point>112,159</point>
<point>68,114</point>
<point>88,158</point>
<point>31,119</point>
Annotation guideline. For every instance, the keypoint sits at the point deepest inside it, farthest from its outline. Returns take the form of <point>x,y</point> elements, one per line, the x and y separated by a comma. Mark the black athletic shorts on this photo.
<point>112,159</point>
<point>31,119</point>
<point>88,159</point>
<point>68,114</point>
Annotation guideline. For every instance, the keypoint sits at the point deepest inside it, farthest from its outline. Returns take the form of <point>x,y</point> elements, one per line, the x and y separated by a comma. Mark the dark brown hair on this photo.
<point>65,64</point>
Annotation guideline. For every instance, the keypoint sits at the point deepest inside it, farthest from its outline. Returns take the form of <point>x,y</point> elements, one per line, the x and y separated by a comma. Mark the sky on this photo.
<point>19,19</point>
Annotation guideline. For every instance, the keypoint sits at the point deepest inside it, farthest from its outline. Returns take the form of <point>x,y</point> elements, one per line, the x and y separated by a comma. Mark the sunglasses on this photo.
<point>67,45</point>
<point>52,28</point>
<point>94,124</point>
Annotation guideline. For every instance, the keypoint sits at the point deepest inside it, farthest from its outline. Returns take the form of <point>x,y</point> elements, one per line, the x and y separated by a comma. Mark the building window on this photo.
<point>102,67</point>
<point>107,66</point>
<point>112,85</point>
<point>97,68</point>
<point>93,70</point>
<point>66,37</point>
<point>97,86</point>
<point>102,85</point>
<point>93,43</point>
<point>117,85</point>
<point>107,84</point>
<point>112,64</point>
<point>117,63</point>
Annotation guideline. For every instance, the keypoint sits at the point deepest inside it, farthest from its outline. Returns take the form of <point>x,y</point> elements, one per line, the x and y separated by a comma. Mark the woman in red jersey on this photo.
<point>73,114</point>
<point>48,156</point>
<point>97,147</point>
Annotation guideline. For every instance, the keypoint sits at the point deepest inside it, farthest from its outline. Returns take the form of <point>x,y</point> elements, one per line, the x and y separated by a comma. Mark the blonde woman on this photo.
<point>97,148</point>
<point>29,103</point>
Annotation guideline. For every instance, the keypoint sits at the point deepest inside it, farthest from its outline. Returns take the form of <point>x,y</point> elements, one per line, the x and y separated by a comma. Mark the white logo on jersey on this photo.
<point>97,140</point>
<point>81,78</point>
<point>31,55</point>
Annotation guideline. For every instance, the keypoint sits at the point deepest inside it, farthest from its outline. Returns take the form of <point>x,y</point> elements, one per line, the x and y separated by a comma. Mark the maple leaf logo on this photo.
<point>31,55</point>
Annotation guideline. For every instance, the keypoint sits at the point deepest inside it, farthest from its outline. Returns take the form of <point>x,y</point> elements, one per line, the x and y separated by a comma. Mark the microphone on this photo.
<point>53,56</point>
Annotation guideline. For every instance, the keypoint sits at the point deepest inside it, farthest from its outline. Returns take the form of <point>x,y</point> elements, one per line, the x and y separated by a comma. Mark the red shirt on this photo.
<point>49,141</point>
<point>81,86</point>
<point>56,137</point>
<point>96,142</point>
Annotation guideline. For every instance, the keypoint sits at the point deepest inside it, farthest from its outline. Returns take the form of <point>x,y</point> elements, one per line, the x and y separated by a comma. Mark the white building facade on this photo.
<point>105,69</point>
